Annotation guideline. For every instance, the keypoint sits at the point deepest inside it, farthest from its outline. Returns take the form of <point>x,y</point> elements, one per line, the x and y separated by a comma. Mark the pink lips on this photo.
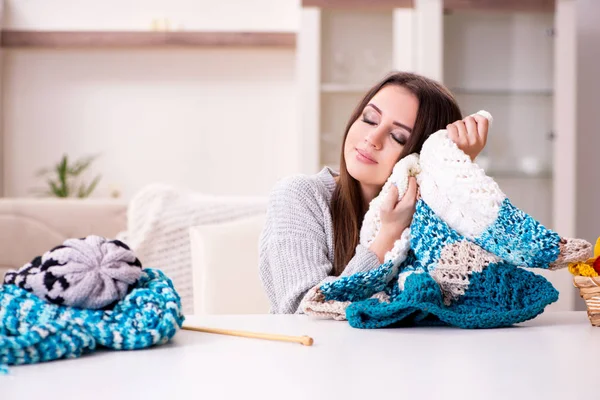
<point>364,157</point>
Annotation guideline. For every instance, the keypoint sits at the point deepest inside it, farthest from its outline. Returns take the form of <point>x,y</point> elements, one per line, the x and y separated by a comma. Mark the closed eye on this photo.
<point>366,121</point>
<point>401,140</point>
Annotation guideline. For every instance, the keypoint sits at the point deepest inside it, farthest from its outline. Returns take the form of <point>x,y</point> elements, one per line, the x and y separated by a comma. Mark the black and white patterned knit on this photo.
<point>91,272</point>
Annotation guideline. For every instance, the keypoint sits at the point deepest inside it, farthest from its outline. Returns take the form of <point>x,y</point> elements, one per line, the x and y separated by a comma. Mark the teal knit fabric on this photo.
<point>500,294</point>
<point>463,262</point>
<point>33,330</point>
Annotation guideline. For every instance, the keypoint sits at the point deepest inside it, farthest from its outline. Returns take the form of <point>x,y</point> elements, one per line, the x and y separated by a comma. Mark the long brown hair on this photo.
<point>437,109</point>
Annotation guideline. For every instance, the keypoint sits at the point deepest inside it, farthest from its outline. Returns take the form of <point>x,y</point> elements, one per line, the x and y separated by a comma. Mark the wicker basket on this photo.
<point>589,290</point>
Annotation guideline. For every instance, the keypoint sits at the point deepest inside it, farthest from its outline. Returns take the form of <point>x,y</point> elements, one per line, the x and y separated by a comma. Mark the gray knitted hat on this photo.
<point>91,272</point>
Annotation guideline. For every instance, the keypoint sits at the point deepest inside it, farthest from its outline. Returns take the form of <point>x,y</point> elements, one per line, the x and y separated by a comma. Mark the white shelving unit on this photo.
<point>503,62</point>
<point>344,88</point>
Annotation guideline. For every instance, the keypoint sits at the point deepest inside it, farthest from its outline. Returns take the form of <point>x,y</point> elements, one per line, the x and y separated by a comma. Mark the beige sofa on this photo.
<point>29,227</point>
<point>221,285</point>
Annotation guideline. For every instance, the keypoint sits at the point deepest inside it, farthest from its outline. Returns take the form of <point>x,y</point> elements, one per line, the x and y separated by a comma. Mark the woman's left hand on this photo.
<point>470,134</point>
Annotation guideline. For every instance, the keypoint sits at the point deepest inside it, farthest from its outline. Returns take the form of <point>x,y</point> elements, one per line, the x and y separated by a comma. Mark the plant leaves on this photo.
<point>56,189</point>
<point>63,184</point>
<point>81,165</point>
<point>62,176</point>
<point>92,186</point>
<point>87,191</point>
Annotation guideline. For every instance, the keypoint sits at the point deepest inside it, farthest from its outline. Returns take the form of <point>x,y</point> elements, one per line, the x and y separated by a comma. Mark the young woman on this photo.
<point>313,222</point>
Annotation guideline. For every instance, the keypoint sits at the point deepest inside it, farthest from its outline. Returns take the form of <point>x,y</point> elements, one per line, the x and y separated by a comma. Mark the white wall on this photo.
<point>215,120</point>
<point>221,15</point>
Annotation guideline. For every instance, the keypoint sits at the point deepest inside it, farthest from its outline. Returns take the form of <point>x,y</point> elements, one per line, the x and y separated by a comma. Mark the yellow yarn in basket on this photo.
<point>582,269</point>
<point>586,268</point>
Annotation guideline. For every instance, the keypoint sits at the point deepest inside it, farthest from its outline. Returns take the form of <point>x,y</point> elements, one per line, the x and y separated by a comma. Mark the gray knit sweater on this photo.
<point>296,245</point>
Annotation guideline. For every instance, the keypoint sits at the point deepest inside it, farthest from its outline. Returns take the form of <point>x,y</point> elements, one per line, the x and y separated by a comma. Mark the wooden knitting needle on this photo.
<point>303,340</point>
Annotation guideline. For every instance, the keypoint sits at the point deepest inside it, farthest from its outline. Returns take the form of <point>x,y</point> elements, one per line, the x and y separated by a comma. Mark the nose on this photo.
<point>375,137</point>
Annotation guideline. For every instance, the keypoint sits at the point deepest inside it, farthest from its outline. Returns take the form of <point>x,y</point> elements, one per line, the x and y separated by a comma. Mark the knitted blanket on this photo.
<point>460,263</point>
<point>33,330</point>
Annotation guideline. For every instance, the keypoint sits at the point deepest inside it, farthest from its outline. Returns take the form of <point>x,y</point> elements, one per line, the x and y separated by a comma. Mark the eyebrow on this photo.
<point>395,122</point>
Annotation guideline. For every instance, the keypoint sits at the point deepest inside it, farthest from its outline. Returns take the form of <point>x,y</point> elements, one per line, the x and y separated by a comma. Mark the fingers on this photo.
<point>457,132</point>
<point>471,128</point>
<point>411,191</point>
<point>397,217</point>
<point>463,133</point>
<point>410,197</point>
<point>390,200</point>
<point>470,134</point>
<point>452,133</point>
<point>482,127</point>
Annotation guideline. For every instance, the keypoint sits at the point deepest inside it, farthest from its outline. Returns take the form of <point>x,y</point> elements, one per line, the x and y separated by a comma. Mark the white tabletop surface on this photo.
<point>555,356</point>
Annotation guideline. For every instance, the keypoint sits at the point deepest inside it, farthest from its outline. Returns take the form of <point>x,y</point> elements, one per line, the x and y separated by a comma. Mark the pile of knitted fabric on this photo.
<point>84,294</point>
<point>462,262</point>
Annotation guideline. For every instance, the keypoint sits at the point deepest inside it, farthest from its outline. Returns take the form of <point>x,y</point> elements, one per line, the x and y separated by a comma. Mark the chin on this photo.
<point>367,175</point>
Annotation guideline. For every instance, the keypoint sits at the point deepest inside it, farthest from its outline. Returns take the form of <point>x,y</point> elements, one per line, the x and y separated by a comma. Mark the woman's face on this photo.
<point>375,141</point>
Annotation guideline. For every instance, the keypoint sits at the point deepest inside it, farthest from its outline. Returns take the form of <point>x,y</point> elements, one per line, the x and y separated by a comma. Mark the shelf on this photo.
<point>344,88</point>
<point>518,175</point>
<point>501,5</point>
<point>449,5</point>
<point>123,39</point>
<point>502,92</point>
<point>357,88</point>
<point>349,4</point>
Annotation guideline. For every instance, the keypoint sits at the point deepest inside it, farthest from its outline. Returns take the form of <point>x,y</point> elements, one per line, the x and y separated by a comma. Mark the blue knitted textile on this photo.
<point>461,262</point>
<point>495,294</point>
<point>33,330</point>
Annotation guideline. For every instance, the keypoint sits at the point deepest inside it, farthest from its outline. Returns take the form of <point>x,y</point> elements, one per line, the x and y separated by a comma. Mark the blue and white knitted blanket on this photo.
<point>462,261</point>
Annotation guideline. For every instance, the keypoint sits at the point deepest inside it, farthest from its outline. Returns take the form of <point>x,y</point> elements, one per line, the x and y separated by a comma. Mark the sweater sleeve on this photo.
<point>293,246</point>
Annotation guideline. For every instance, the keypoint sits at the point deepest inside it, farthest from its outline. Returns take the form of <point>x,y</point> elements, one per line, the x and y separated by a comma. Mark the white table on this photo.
<point>555,356</point>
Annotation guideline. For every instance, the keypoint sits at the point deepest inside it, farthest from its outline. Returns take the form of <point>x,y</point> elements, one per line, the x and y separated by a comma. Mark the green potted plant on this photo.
<point>65,178</point>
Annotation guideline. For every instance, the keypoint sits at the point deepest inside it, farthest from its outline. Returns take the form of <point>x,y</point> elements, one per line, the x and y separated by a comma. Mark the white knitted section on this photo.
<point>158,222</point>
<point>456,188</point>
<point>314,304</point>
<point>400,250</point>
<point>406,167</point>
